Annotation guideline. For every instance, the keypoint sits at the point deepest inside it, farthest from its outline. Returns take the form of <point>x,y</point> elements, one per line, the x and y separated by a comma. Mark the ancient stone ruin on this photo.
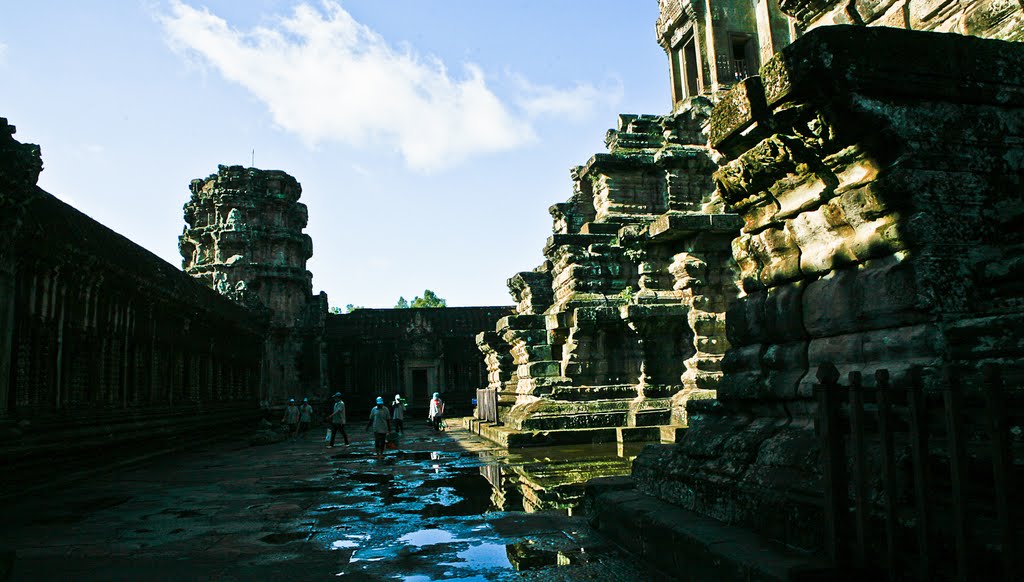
<point>244,238</point>
<point>624,321</point>
<point>871,387</point>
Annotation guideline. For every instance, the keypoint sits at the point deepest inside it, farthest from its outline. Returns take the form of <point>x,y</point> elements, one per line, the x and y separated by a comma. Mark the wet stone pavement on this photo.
<point>449,506</point>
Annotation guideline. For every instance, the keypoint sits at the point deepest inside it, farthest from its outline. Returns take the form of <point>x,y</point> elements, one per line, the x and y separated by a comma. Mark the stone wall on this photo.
<point>103,344</point>
<point>1001,19</point>
<point>881,200</point>
<point>413,352</point>
<point>244,238</point>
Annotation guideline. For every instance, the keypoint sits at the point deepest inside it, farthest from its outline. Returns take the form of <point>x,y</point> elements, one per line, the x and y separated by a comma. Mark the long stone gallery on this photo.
<point>777,334</point>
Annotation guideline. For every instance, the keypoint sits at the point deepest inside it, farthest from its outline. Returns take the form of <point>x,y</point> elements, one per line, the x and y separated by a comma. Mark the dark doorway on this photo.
<point>420,385</point>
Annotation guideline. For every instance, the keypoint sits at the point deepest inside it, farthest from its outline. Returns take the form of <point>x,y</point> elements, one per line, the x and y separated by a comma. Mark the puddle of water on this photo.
<point>526,556</point>
<point>485,556</point>
<point>465,492</point>
<point>344,544</point>
<point>427,537</point>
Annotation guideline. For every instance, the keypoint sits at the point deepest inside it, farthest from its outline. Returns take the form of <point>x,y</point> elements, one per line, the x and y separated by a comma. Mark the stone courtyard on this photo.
<point>296,510</point>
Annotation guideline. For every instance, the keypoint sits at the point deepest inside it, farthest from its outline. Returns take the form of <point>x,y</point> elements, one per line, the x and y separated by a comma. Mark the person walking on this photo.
<point>291,416</point>
<point>337,418</point>
<point>436,411</point>
<point>380,422</point>
<point>305,416</point>
<point>398,414</point>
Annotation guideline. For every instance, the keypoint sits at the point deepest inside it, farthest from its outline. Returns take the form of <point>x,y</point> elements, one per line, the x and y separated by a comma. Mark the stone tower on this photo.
<point>244,238</point>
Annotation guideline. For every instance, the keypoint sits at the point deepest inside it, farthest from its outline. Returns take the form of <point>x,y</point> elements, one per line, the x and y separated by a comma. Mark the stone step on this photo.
<point>689,545</point>
<point>511,438</point>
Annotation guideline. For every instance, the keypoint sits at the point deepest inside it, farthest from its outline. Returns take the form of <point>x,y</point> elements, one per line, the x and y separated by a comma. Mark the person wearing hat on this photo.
<point>291,416</point>
<point>436,411</point>
<point>398,413</point>
<point>337,418</point>
<point>380,422</point>
<point>305,416</point>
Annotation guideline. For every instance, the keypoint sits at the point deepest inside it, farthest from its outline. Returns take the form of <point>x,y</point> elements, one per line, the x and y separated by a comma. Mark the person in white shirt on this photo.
<point>337,418</point>
<point>380,422</point>
<point>291,416</point>
<point>436,411</point>
<point>398,414</point>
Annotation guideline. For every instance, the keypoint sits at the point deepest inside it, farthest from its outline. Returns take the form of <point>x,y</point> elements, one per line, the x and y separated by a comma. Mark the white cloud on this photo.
<point>577,103</point>
<point>326,77</point>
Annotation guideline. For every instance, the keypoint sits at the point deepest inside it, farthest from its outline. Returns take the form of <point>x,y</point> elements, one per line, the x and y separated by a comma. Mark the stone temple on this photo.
<point>801,285</point>
<point>244,238</point>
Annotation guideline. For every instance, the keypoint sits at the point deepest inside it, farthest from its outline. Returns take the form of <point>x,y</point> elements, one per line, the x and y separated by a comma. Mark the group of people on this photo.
<point>298,417</point>
<point>381,419</point>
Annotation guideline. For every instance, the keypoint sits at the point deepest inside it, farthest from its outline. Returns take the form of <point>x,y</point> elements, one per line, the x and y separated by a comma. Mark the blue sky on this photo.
<point>430,137</point>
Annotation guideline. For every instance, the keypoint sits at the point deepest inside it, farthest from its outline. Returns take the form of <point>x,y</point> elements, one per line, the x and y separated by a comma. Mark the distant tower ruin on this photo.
<point>244,238</point>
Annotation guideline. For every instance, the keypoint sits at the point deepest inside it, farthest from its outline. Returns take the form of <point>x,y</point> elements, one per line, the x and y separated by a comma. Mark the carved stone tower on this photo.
<point>244,238</point>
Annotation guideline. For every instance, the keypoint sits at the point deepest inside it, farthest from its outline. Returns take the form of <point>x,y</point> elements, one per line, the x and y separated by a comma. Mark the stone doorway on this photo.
<point>420,385</point>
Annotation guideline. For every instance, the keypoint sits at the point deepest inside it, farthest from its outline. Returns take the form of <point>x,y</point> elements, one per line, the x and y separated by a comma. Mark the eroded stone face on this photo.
<point>880,198</point>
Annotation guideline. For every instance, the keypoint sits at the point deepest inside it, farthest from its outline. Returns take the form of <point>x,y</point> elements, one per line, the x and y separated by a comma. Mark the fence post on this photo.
<point>1001,466</point>
<point>833,462</point>
<point>888,467</point>
<point>953,399</point>
<point>859,486</point>
<point>919,453</point>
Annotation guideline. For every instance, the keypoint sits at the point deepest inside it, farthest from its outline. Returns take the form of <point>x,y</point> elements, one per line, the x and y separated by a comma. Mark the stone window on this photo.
<point>685,82</point>
<point>744,55</point>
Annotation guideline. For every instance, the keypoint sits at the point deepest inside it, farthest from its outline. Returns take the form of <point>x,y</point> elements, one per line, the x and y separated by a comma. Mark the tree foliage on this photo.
<point>429,299</point>
<point>348,309</point>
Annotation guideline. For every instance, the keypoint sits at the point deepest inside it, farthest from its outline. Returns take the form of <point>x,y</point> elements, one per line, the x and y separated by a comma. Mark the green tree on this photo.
<point>348,309</point>
<point>335,310</point>
<point>429,299</point>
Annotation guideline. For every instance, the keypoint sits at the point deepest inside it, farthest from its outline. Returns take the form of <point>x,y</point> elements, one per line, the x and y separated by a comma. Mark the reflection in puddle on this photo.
<point>482,556</point>
<point>427,537</point>
<point>526,556</point>
<point>349,541</point>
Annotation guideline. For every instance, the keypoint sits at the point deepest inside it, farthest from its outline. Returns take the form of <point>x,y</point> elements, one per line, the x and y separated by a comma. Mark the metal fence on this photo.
<point>919,485</point>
